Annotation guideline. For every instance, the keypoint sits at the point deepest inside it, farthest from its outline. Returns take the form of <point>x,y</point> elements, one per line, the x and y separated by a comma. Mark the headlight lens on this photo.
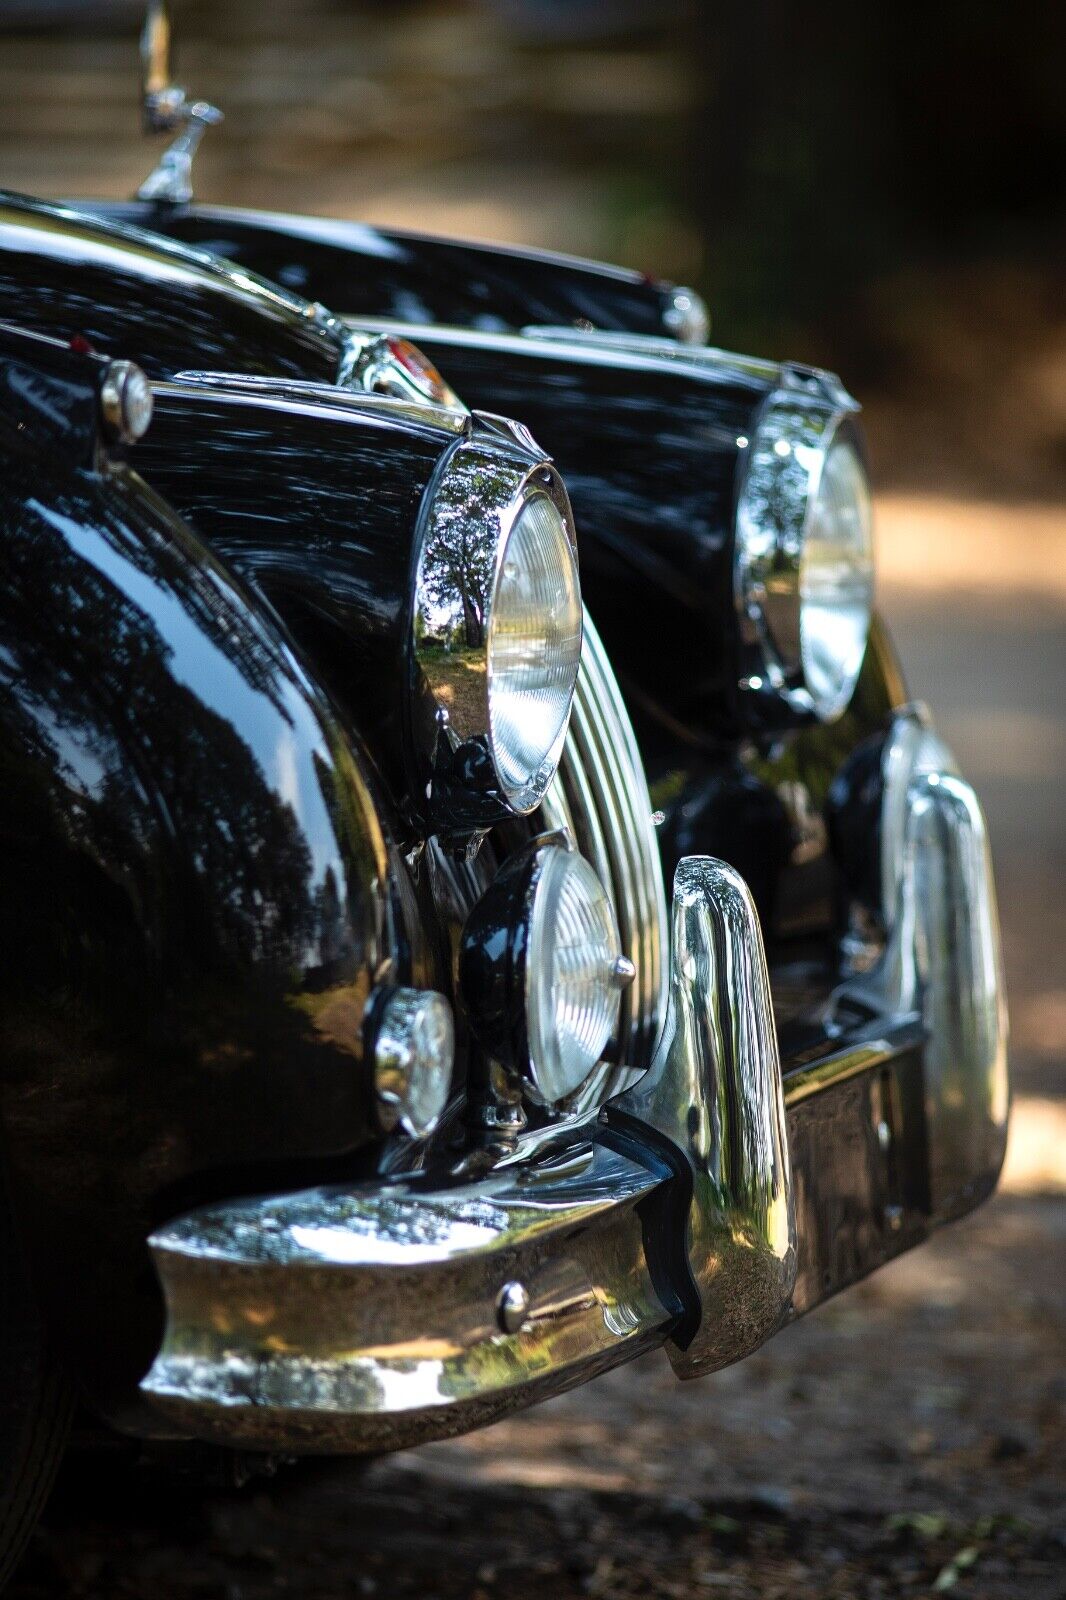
<point>804,555</point>
<point>496,631</point>
<point>836,581</point>
<point>573,976</point>
<point>540,969</point>
<point>534,650</point>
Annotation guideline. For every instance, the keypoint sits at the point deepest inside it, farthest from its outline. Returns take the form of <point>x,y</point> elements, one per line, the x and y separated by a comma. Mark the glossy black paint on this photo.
<point>51,394</point>
<point>796,813</point>
<point>317,501</point>
<point>197,897</point>
<point>360,270</point>
<point>492,960</point>
<point>853,811</point>
<point>150,300</point>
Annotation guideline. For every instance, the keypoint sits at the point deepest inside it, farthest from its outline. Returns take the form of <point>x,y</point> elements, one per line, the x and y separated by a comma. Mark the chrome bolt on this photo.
<point>125,402</point>
<point>623,972</point>
<point>512,1306</point>
<point>414,1051</point>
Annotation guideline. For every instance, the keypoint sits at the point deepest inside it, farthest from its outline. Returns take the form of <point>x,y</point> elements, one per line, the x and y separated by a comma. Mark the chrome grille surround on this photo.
<point>601,794</point>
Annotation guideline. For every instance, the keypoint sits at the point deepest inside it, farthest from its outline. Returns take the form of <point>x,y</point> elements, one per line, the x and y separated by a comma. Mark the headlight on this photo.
<point>497,632</point>
<point>541,972</point>
<point>804,556</point>
<point>534,650</point>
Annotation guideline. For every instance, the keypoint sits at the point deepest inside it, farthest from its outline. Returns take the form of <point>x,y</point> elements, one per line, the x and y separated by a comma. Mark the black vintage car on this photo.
<point>421,992</point>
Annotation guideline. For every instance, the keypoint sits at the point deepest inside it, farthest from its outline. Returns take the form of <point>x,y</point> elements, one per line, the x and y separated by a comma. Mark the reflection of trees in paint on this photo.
<point>459,561</point>
<point>92,697</point>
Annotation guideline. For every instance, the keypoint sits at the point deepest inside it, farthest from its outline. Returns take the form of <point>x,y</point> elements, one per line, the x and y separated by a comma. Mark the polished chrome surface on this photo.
<point>858,1057</point>
<point>125,402</point>
<point>601,795</point>
<point>486,485</point>
<point>414,1051</point>
<point>687,316</point>
<point>311,398</point>
<point>944,959</point>
<point>912,749</point>
<point>784,465</point>
<point>387,363</point>
<point>167,109</point>
<point>369,1319</point>
<point>618,349</point>
<point>715,1091</point>
<point>512,1306</point>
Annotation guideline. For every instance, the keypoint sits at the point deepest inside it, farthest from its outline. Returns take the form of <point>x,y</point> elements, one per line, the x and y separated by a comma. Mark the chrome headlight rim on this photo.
<point>485,486</point>
<point>799,427</point>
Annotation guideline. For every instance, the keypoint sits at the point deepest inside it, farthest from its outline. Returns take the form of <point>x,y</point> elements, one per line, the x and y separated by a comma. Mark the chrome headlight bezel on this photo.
<point>798,428</point>
<point>486,484</point>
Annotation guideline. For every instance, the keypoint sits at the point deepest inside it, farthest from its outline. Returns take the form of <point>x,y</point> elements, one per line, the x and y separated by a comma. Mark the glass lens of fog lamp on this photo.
<point>573,975</point>
<point>534,650</point>
<point>836,581</point>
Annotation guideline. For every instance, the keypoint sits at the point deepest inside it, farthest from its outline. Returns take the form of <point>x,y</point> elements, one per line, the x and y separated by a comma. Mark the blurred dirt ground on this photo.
<point>910,1438</point>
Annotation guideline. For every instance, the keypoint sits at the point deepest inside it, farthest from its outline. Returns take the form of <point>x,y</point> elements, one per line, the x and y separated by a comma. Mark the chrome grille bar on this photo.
<point>601,794</point>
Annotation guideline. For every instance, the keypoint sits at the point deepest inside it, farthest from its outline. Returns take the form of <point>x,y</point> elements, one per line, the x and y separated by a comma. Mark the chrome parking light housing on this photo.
<point>389,364</point>
<point>803,570</point>
<point>496,613</point>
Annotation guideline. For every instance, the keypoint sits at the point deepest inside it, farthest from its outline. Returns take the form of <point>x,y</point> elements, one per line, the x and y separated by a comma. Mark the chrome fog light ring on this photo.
<point>804,561</point>
<point>496,630</point>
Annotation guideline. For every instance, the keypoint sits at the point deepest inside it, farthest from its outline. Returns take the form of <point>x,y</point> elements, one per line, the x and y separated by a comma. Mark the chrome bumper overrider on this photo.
<point>709,1204</point>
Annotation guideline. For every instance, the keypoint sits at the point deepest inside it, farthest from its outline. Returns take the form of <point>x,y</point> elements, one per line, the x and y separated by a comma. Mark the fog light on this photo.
<point>541,971</point>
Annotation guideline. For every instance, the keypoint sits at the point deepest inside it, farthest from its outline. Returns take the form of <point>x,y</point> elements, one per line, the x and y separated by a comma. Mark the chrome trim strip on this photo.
<point>632,351</point>
<point>310,398</point>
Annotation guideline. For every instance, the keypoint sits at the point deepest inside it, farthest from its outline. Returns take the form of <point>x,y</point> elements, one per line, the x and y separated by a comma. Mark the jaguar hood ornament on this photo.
<point>168,109</point>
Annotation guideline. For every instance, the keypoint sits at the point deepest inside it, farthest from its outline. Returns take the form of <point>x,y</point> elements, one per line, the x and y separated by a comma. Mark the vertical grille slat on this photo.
<point>601,793</point>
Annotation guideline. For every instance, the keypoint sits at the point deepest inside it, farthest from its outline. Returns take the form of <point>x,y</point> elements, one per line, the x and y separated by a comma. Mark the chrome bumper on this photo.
<point>707,1206</point>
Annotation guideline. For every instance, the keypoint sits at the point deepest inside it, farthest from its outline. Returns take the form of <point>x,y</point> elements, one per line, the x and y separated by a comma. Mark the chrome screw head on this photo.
<point>512,1306</point>
<point>125,402</point>
<point>414,1051</point>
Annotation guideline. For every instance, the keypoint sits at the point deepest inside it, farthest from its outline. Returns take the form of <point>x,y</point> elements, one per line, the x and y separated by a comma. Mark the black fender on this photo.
<point>199,894</point>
